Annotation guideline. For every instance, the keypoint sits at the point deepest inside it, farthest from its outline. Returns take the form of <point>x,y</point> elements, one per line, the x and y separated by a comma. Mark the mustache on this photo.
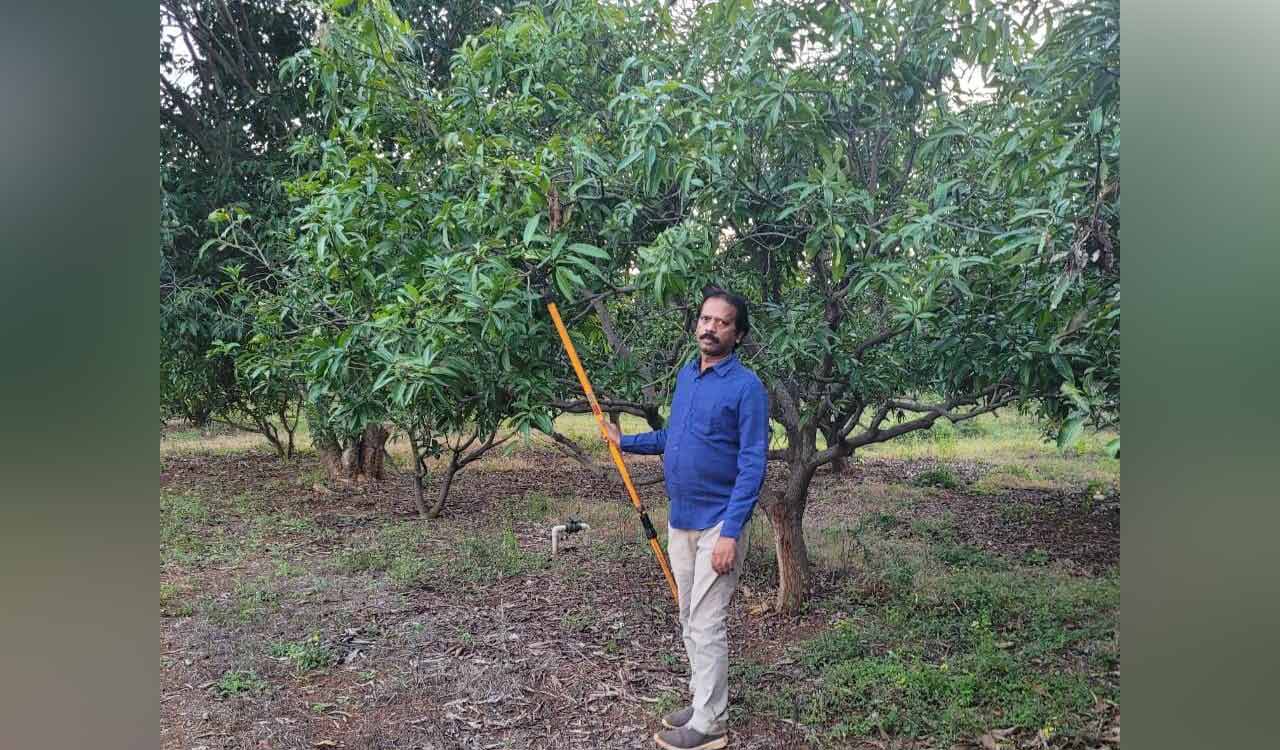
<point>708,337</point>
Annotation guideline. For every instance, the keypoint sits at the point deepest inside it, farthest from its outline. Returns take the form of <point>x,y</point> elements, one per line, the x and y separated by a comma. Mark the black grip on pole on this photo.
<point>649,531</point>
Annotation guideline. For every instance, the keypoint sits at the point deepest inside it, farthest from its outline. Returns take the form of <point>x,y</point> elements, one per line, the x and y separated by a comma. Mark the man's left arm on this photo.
<point>753,447</point>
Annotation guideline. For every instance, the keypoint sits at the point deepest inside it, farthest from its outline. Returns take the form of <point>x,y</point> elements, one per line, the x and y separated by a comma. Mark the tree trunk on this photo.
<point>372,450</point>
<point>786,515</point>
<point>838,464</point>
<point>438,508</point>
<point>357,461</point>
<point>419,474</point>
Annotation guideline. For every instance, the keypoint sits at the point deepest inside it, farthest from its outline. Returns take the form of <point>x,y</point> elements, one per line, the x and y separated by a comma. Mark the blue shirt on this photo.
<point>714,446</point>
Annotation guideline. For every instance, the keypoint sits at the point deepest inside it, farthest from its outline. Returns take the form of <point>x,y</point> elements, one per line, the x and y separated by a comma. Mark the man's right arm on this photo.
<point>644,442</point>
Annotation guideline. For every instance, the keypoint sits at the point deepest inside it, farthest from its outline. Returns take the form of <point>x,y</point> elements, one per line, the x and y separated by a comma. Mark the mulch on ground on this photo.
<point>578,654</point>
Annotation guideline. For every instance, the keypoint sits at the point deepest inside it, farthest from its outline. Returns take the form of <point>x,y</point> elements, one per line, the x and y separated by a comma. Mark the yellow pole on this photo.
<point>650,532</point>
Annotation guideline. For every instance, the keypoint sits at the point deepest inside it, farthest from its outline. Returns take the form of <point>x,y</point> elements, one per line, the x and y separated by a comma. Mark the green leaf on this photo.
<point>1113,447</point>
<point>564,282</point>
<point>1064,369</point>
<point>1070,432</point>
<point>1070,391</point>
<point>627,161</point>
<point>583,248</point>
<point>530,227</point>
<point>1059,288</point>
<point>1095,121</point>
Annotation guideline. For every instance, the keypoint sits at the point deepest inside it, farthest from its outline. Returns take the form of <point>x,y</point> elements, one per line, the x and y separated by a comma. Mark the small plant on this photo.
<point>484,558</point>
<point>238,682</point>
<point>967,556</point>
<point>1035,556</point>
<point>1017,470</point>
<point>305,655</point>
<point>941,477</point>
<point>668,701</point>
<point>408,570</point>
<point>248,503</point>
<point>182,536</point>
<point>172,604</point>
<point>254,599</point>
<point>886,521</point>
<point>941,529</point>
<point>577,620</point>
<point>1017,512</point>
<point>295,524</point>
<point>361,560</point>
<point>537,506</point>
<point>1094,493</point>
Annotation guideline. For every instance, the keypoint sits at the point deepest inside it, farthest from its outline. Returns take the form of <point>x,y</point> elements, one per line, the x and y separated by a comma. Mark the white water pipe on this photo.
<point>572,527</point>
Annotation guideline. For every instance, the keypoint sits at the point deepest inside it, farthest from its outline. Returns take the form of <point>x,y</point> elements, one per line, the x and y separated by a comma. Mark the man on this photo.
<point>714,451</point>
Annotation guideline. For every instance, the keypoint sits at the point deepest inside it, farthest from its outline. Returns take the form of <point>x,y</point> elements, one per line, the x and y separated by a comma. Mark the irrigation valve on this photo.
<point>572,526</point>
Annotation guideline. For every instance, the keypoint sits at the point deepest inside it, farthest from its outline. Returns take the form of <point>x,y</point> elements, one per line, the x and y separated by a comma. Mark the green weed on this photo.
<point>239,682</point>
<point>254,599</point>
<point>1017,512</point>
<point>489,557</point>
<point>305,655</point>
<point>941,477</point>
<point>949,652</point>
<point>172,603</point>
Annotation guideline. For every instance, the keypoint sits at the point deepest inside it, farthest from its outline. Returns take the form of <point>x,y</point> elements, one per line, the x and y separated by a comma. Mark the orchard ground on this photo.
<point>966,594</point>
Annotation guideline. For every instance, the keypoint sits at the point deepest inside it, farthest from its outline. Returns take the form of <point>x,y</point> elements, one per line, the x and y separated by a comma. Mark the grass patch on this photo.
<point>940,529</point>
<point>942,640</point>
<point>238,682</point>
<point>255,599</point>
<point>576,620</point>
<point>173,602</point>
<point>489,557</point>
<point>968,556</point>
<point>1010,478</point>
<point>396,549</point>
<point>185,536</point>
<point>304,656</point>
<point>960,653</point>
<point>1017,512</point>
<point>941,477</point>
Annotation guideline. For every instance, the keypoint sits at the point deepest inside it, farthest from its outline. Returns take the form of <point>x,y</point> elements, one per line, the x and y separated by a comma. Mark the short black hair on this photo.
<point>742,321</point>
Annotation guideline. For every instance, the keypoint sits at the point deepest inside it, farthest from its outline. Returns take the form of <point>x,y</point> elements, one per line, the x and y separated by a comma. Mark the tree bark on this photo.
<point>359,460</point>
<point>454,466</point>
<point>419,474</point>
<point>786,515</point>
<point>838,464</point>
<point>372,450</point>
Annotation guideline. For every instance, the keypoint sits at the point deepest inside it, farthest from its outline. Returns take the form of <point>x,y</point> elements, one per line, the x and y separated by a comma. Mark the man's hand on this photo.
<point>723,554</point>
<point>614,433</point>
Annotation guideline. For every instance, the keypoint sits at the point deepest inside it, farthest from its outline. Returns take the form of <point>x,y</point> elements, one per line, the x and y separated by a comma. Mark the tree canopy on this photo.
<point>919,246</point>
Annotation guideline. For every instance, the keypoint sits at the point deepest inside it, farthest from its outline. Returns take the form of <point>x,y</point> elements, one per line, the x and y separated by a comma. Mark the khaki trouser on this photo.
<point>704,604</point>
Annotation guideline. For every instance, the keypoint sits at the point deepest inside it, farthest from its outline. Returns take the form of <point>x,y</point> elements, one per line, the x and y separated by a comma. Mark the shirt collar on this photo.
<point>720,368</point>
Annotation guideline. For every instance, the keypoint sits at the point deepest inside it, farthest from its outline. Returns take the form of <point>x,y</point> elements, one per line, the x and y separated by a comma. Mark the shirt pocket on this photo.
<point>717,421</point>
<point>724,421</point>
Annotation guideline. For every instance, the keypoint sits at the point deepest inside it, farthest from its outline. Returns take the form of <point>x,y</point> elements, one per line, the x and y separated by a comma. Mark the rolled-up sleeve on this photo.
<point>753,445</point>
<point>644,442</point>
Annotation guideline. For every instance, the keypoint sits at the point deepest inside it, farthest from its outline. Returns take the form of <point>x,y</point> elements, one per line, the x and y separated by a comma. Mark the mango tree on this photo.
<point>821,158</point>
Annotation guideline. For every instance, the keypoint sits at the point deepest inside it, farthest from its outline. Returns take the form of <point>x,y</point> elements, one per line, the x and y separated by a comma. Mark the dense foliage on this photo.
<point>922,198</point>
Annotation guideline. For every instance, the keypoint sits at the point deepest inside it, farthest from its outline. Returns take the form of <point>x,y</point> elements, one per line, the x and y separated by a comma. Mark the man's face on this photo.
<point>717,328</point>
